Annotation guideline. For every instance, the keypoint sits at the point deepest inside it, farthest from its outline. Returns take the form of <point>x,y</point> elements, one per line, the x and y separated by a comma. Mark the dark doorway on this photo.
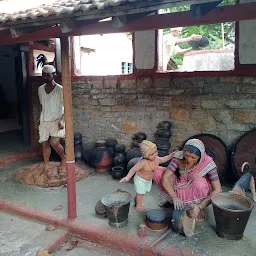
<point>14,107</point>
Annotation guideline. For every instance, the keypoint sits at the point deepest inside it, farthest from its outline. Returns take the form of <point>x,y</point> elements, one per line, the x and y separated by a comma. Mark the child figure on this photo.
<point>144,170</point>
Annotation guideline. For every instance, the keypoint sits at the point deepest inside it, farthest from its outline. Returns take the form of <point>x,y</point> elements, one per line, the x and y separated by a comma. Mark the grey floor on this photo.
<point>89,191</point>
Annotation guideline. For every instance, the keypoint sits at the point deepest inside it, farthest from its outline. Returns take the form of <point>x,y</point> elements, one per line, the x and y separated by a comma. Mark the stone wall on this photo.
<point>118,108</point>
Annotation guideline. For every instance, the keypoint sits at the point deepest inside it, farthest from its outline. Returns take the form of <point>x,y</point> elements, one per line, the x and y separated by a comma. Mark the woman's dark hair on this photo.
<point>192,149</point>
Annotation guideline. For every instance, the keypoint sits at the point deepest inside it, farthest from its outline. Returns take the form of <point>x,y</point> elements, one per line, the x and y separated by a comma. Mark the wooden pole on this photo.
<point>69,129</point>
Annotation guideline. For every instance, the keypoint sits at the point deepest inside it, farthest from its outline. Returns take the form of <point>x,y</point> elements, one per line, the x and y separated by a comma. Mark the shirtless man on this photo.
<point>144,170</point>
<point>51,127</point>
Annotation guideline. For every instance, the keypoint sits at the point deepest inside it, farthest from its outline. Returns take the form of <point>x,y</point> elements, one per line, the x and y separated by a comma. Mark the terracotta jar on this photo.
<point>101,158</point>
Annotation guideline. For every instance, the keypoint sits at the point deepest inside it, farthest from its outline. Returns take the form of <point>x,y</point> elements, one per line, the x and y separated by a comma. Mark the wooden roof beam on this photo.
<point>219,14</point>
<point>121,21</point>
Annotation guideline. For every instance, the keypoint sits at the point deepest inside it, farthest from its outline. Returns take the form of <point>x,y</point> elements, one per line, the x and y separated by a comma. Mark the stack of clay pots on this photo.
<point>119,169</point>
<point>137,138</point>
<point>162,136</point>
<point>78,145</point>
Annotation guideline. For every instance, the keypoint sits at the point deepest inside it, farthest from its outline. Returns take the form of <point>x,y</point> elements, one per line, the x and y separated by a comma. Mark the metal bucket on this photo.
<point>117,205</point>
<point>231,213</point>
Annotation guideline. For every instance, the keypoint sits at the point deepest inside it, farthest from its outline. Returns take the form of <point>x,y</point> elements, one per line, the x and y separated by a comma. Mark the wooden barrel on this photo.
<point>244,150</point>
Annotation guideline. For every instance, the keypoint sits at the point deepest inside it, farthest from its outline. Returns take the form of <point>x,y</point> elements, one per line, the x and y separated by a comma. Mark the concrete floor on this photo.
<point>15,142</point>
<point>92,188</point>
<point>23,237</point>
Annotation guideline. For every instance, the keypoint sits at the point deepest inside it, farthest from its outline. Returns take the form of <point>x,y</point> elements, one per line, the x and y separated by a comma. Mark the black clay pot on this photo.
<point>118,172</point>
<point>166,125</point>
<point>110,144</point>
<point>139,136</point>
<point>101,158</point>
<point>87,151</point>
<point>162,133</point>
<point>163,144</point>
<point>119,160</point>
<point>78,152</point>
<point>119,148</point>
<point>161,154</point>
<point>132,153</point>
<point>132,162</point>
<point>78,136</point>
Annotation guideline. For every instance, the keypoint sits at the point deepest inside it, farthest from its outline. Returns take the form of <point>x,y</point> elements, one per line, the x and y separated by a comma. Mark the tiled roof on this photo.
<point>67,8</point>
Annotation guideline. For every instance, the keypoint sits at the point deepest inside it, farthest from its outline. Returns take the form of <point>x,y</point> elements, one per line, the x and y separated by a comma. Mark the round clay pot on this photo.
<point>119,159</point>
<point>162,133</point>
<point>110,144</point>
<point>101,158</point>
<point>78,152</point>
<point>78,136</point>
<point>118,172</point>
<point>132,162</point>
<point>166,125</point>
<point>139,136</point>
<point>163,144</point>
<point>132,153</point>
<point>87,151</point>
<point>119,148</point>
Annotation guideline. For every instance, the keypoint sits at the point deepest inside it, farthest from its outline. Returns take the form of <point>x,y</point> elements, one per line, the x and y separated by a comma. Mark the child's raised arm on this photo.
<point>166,158</point>
<point>133,170</point>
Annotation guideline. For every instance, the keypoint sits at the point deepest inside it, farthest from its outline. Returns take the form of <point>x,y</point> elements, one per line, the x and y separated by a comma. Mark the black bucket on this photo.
<point>231,213</point>
<point>117,205</point>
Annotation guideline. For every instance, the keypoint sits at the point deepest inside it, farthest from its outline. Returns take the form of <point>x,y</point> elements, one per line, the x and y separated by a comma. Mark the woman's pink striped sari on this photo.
<point>192,187</point>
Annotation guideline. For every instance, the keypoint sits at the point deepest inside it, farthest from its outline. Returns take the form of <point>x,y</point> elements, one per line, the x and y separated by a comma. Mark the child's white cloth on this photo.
<point>141,186</point>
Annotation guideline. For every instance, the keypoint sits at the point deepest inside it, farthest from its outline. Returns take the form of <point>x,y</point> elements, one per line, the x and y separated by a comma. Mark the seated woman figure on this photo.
<point>190,179</point>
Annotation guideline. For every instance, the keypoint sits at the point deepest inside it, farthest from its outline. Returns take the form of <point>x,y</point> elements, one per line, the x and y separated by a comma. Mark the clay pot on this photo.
<point>118,172</point>
<point>139,136</point>
<point>101,157</point>
<point>119,160</point>
<point>110,144</point>
<point>162,133</point>
<point>87,151</point>
<point>119,148</point>
<point>78,136</point>
<point>132,162</point>
<point>132,153</point>
<point>78,152</point>
<point>166,125</point>
<point>163,144</point>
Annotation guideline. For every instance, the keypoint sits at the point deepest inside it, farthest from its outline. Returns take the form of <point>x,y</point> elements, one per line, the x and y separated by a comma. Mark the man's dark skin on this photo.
<point>53,141</point>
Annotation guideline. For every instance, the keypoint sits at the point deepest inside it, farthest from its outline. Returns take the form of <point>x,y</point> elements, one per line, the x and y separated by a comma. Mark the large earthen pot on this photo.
<point>101,157</point>
<point>87,151</point>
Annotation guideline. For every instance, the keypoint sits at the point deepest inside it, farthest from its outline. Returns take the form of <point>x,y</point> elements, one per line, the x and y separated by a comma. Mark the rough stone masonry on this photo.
<point>119,107</point>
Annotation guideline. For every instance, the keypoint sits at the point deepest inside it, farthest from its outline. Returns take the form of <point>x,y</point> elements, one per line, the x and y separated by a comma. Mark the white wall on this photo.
<point>110,51</point>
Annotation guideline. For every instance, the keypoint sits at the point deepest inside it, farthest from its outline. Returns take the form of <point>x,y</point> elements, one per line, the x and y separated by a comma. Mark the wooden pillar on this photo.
<point>69,128</point>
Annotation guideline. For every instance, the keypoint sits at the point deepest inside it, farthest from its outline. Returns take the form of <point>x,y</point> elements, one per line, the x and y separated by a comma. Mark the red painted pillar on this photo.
<point>69,128</point>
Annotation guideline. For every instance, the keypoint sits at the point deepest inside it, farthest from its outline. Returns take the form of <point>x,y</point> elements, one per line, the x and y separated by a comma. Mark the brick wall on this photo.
<point>118,108</point>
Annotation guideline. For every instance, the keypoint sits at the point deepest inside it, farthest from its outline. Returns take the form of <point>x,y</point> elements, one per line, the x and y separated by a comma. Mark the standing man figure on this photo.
<point>51,127</point>
<point>171,44</point>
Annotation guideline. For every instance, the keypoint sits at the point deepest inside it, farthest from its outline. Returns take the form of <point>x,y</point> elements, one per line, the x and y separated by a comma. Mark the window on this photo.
<point>104,54</point>
<point>213,52</point>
